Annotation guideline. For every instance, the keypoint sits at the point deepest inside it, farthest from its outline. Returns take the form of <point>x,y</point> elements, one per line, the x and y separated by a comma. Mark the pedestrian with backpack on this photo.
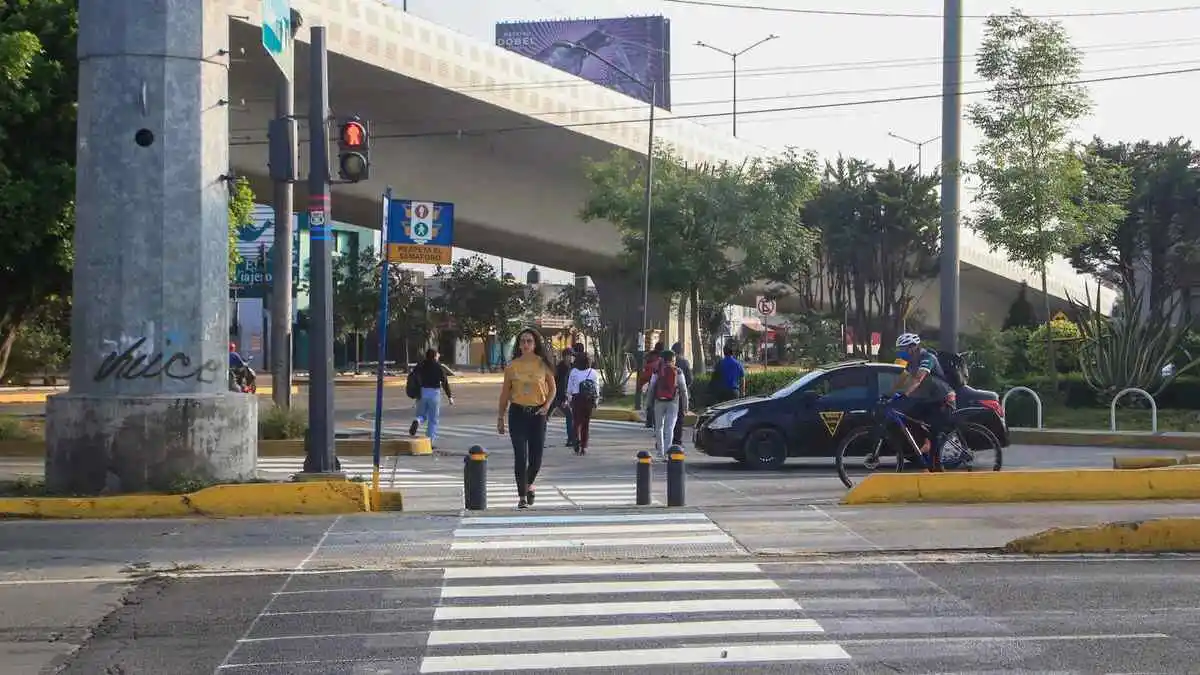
<point>583,391</point>
<point>649,368</point>
<point>669,393</point>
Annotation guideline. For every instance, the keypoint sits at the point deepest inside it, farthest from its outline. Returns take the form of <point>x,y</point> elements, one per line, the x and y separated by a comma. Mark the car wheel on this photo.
<point>766,448</point>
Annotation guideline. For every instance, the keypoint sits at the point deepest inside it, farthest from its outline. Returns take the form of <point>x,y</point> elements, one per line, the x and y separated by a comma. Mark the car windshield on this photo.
<point>798,383</point>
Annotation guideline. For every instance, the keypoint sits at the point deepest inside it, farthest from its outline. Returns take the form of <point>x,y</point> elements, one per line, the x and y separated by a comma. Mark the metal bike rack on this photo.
<point>1036,399</point>
<point>1112,410</point>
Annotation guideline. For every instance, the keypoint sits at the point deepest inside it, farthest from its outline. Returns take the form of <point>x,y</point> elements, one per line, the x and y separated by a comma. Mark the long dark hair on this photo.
<point>539,347</point>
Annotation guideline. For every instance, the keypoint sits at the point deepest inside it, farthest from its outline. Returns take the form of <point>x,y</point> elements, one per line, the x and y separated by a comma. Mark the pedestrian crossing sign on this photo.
<point>832,420</point>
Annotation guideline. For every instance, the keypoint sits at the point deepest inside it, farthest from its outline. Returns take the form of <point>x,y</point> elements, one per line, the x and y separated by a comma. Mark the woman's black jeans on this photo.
<point>527,429</point>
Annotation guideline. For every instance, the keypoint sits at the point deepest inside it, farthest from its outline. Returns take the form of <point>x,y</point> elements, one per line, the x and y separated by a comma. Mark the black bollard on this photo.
<point>475,479</point>
<point>643,478</point>
<point>675,457</point>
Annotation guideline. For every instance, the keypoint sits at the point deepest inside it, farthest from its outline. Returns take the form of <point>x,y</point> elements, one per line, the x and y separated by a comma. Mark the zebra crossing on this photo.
<point>555,430</point>
<point>732,615</point>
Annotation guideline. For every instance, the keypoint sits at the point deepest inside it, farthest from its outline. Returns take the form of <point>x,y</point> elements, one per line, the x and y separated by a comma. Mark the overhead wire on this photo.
<point>780,109</point>
<point>713,4</point>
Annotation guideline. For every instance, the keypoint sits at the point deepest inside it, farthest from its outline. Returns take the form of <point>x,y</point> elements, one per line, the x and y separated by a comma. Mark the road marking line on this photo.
<point>573,570</point>
<point>602,587</point>
<point>710,655</point>
<point>624,632</point>
<point>582,609</point>
<point>583,543</point>
<point>620,517</point>
<point>562,530</point>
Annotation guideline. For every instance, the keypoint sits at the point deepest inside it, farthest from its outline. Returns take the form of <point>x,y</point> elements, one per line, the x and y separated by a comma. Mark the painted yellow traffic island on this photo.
<point>301,498</point>
<point>1160,535</point>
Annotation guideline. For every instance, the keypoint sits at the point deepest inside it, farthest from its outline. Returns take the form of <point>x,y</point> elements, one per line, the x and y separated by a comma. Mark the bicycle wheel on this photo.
<point>972,447</point>
<point>874,452</point>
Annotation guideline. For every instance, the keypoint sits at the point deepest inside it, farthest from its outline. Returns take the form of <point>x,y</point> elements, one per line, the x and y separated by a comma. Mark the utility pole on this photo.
<point>951,171</point>
<point>734,56</point>
<point>281,260</point>
<point>920,145</point>
<point>319,448</point>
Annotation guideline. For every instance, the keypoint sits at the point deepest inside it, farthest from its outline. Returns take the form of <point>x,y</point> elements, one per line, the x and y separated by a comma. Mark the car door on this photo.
<point>828,401</point>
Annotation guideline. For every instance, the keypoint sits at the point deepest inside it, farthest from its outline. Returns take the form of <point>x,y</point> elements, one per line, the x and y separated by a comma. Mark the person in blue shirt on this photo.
<point>924,393</point>
<point>729,377</point>
<point>235,359</point>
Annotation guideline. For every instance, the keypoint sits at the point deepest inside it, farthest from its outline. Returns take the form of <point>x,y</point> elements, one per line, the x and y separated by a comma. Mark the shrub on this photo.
<point>1016,344</point>
<point>11,429</point>
<point>1067,341</point>
<point>757,384</point>
<point>280,424</point>
<point>988,355</point>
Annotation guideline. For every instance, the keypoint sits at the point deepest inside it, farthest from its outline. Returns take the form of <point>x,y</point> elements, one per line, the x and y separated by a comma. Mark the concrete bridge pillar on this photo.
<point>149,401</point>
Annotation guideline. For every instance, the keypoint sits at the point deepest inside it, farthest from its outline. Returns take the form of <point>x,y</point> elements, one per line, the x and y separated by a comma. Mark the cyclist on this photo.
<point>923,393</point>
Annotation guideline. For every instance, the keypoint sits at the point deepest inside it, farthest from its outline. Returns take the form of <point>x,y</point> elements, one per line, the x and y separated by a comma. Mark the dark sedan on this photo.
<point>809,417</point>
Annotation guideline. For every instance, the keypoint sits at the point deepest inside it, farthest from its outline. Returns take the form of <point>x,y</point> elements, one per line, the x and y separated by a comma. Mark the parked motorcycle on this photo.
<point>243,379</point>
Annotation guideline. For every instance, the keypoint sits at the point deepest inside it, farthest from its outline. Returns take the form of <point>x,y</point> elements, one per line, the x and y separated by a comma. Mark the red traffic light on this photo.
<point>354,135</point>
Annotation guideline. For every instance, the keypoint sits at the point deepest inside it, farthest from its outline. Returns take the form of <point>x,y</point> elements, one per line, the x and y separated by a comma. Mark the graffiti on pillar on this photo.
<point>127,361</point>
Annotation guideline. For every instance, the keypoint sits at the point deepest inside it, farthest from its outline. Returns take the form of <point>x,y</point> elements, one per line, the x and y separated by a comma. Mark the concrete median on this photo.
<point>1025,486</point>
<point>1164,535</point>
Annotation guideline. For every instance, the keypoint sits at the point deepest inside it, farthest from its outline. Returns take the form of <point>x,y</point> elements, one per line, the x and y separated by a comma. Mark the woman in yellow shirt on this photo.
<point>525,401</point>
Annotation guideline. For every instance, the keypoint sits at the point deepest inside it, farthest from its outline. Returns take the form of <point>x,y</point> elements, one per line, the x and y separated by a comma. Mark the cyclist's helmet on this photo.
<point>908,340</point>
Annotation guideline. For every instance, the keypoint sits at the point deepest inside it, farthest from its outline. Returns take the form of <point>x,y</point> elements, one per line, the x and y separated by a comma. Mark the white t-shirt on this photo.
<point>577,376</point>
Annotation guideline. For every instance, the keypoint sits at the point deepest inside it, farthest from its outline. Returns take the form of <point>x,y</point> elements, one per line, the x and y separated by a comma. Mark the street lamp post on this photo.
<point>920,145</point>
<point>653,89</point>
<point>734,56</point>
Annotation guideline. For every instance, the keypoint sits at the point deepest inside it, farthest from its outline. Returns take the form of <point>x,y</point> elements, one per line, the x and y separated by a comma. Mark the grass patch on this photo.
<point>21,428</point>
<point>23,486</point>
<point>279,424</point>
<point>1097,419</point>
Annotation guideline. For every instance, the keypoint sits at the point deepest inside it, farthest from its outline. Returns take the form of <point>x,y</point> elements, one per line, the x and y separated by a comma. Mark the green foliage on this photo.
<point>580,305</point>
<point>43,342</point>
<point>1132,348</point>
<point>356,287</point>
<point>11,429</point>
<point>38,85</point>
<point>988,354</point>
<point>612,361</point>
<point>241,208</point>
<point>1016,344</point>
<point>1021,313</point>
<point>283,424</point>
<point>815,338</point>
<point>479,303</point>
<point>758,383</point>
<point>1067,343</point>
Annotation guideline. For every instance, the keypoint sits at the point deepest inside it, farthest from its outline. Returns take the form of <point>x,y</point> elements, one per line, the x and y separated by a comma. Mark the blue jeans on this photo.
<point>429,409</point>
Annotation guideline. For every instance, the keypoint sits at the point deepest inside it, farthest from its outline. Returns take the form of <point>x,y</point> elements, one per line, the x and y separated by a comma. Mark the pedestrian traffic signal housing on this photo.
<point>354,151</point>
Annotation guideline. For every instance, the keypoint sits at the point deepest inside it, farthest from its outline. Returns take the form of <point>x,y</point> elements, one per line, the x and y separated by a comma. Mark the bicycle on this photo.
<point>956,453</point>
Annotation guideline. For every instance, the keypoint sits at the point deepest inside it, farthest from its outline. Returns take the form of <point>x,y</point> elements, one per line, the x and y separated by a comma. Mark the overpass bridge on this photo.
<point>461,120</point>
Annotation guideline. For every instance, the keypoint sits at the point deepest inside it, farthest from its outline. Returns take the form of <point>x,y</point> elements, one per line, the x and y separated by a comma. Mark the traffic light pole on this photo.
<point>319,448</point>
<point>281,283</point>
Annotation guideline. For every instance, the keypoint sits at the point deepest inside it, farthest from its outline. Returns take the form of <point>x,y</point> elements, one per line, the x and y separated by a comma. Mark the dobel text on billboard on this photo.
<point>639,45</point>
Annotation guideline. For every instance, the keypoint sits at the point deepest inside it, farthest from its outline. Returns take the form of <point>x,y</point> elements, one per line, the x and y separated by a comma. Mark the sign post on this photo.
<point>382,356</point>
<point>420,232</point>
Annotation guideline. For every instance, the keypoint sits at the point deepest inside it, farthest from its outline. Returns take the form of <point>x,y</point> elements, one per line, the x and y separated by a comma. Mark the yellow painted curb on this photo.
<point>1136,462</point>
<point>389,500</point>
<point>221,501</point>
<point>267,390</point>
<point>1162,535</point>
<point>349,448</point>
<point>1025,486</point>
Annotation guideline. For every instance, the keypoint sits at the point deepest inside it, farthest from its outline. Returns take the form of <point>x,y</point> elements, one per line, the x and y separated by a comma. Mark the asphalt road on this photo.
<point>829,616</point>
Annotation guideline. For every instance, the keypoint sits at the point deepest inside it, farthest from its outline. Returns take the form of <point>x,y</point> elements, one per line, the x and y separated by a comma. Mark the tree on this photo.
<point>241,208</point>
<point>1034,195</point>
<point>409,314</point>
<point>1156,246</point>
<point>38,84</point>
<point>1020,312</point>
<point>715,228</point>
<point>479,304</point>
<point>879,235</point>
<point>581,306</point>
<point>356,288</point>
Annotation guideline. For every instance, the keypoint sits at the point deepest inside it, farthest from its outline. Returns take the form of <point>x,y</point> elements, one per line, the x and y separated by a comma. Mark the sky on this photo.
<point>825,59</point>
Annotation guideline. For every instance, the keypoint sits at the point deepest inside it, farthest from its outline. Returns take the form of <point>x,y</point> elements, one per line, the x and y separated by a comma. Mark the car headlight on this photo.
<point>726,420</point>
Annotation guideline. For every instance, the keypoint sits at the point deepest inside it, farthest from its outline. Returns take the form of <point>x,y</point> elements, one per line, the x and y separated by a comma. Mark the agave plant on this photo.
<point>612,360</point>
<point>1129,349</point>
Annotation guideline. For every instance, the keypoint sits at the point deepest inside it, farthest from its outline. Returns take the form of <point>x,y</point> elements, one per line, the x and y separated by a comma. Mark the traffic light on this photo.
<point>354,156</point>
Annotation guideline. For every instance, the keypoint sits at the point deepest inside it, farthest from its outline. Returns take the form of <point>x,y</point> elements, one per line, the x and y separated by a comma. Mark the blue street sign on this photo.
<point>420,232</point>
<point>277,33</point>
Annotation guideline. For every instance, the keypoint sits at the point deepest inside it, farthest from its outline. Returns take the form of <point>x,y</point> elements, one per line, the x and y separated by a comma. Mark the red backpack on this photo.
<point>667,384</point>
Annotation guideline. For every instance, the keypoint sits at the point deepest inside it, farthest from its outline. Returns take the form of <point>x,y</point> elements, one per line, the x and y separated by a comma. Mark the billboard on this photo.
<point>641,46</point>
<point>256,244</point>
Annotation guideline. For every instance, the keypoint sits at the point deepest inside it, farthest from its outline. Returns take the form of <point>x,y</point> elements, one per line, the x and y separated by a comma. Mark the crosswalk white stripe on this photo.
<point>585,543</point>
<point>584,609</point>
<point>635,631</point>
<point>490,572</point>
<point>602,587</point>
<point>619,517</point>
<point>710,655</point>
<point>566,530</point>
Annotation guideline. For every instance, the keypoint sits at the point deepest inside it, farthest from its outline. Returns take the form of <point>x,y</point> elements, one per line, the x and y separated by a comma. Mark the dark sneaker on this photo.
<point>412,428</point>
<point>529,496</point>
